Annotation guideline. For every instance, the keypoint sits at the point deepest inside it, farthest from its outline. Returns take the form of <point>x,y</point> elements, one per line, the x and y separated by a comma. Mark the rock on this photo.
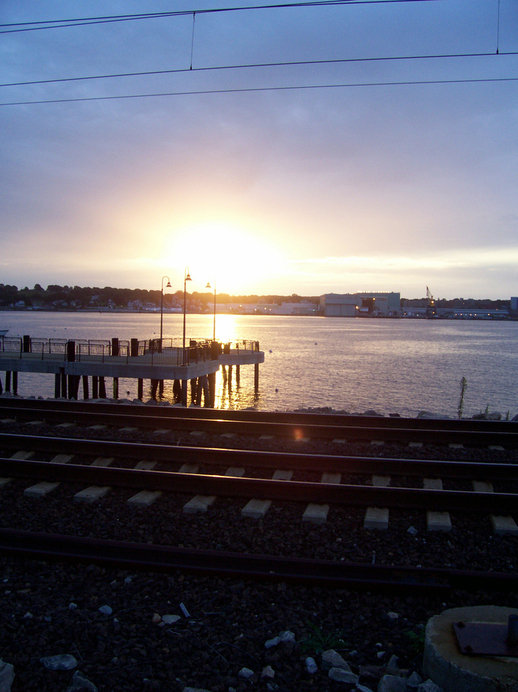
<point>79,682</point>
<point>341,675</point>
<point>287,637</point>
<point>246,673</point>
<point>59,662</point>
<point>362,688</point>
<point>275,641</point>
<point>105,610</point>
<point>429,686</point>
<point>6,676</point>
<point>332,659</point>
<point>414,680</point>
<point>393,616</point>
<point>392,665</point>
<point>170,619</point>
<point>428,414</point>
<point>268,672</point>
<point>311,665</point>
<point>392,683</point>
<point>412,531</point>
<point>156,618</point>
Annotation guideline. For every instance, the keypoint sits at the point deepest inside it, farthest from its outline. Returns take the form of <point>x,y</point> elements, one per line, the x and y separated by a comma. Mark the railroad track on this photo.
<point>327,491</point>
<point>304,426</point>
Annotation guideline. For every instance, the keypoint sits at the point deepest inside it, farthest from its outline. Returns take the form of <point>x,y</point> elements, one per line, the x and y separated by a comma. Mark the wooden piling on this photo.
<point>7,380</point>
<point>95,387</point>
<point>102,388</point>
<point>161,388</point>
<point>115,387</point>
<point>184,392</point>
<point>86,394</point>
<point>140,388</point>
<point>256,378</point>
<point>206,390</point>
<point>63,378</point>
<point>154,387</point>
<point>212,388</point>
<point>15,382</point>
<point>238,375</point>
<point>73,386</point>
<point>57,385</point>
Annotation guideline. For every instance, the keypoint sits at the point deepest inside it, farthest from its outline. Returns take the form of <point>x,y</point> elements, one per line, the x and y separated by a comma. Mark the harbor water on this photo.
<point>389,366</point>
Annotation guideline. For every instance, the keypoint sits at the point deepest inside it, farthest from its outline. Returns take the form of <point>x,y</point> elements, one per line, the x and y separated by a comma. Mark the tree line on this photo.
<point>86,297</point>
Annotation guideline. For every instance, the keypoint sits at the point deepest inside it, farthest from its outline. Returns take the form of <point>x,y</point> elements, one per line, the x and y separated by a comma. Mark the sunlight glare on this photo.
<point>239,261</point>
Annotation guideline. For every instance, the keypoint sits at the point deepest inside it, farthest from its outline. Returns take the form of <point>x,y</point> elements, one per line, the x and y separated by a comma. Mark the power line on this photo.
<point>294,87</point>
<point>108,19</point>
<point>294,63</point>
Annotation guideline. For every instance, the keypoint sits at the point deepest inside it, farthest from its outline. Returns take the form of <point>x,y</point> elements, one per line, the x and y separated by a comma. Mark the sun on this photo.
<point>235,259</point>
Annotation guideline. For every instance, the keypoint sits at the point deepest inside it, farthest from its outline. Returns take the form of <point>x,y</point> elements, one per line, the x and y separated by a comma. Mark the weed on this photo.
<point>318,641</point>
<point>416,641</point>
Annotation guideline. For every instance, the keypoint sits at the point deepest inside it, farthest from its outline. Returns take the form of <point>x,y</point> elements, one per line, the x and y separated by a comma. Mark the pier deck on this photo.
<point>152,359</point>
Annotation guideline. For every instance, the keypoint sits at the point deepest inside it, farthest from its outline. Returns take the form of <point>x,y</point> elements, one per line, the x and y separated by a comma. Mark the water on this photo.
<point>390,366</point>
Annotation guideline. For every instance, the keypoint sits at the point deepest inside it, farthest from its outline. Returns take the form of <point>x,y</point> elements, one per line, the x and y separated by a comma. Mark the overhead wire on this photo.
<point>310,3</point>
<point>84,21</point>
<point>288,63</point>
<point>295,87</point>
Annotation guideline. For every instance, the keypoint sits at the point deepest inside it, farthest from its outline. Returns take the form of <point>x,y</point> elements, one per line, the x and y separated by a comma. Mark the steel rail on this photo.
<point>243,487</point>
<point>297,418</point>
<point>285,430</point>
<point>218,456</point>
<point>326,573</point>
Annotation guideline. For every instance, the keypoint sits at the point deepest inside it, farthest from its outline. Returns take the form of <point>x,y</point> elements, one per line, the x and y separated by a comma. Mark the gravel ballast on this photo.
<point>138,630</point>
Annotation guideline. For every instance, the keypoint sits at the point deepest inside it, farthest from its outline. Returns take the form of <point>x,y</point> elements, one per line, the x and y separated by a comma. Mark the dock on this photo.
<point>91,362</point>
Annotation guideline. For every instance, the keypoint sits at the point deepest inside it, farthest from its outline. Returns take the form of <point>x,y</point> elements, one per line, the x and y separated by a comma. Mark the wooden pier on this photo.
<point>91,362</point>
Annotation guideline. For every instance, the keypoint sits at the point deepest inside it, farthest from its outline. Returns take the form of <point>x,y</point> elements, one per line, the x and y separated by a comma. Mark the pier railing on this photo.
<point>164,351</point>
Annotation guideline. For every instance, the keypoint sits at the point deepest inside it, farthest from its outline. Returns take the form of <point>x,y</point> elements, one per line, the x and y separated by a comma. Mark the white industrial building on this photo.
<point>361,305</point>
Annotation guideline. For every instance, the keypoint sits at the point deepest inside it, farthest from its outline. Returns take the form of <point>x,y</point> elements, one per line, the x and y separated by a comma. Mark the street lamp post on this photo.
<point>214,326</point>
<point>186,278</point>
<point>168,285</point>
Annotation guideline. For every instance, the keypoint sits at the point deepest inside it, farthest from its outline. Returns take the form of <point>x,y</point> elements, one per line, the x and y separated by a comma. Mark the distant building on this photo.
<point>361,305</point>
<point>513,308</point>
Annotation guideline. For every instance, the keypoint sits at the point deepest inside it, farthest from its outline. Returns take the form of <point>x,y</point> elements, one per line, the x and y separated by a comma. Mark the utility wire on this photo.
<point>295,63</point>
<point>86,21</point>
<point>245,90</point>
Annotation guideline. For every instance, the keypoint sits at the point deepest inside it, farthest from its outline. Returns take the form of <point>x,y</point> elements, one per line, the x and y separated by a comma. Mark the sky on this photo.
<point>365,146</point>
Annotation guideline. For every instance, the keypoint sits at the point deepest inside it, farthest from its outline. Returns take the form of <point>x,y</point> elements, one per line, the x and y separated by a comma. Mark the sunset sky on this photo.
<point>392,168</point>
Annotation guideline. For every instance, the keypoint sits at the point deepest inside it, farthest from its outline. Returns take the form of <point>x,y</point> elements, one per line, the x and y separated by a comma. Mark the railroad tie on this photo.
<point>377,517</point>
<point>145,498</point>
<point>21,455</point>
<point>200,503</point>
<point>317,514</point>
<point>94,492</point>
<point>436,521</point>
<point>45,487</point>
<point>256,508</point>
<point>502,525</point>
